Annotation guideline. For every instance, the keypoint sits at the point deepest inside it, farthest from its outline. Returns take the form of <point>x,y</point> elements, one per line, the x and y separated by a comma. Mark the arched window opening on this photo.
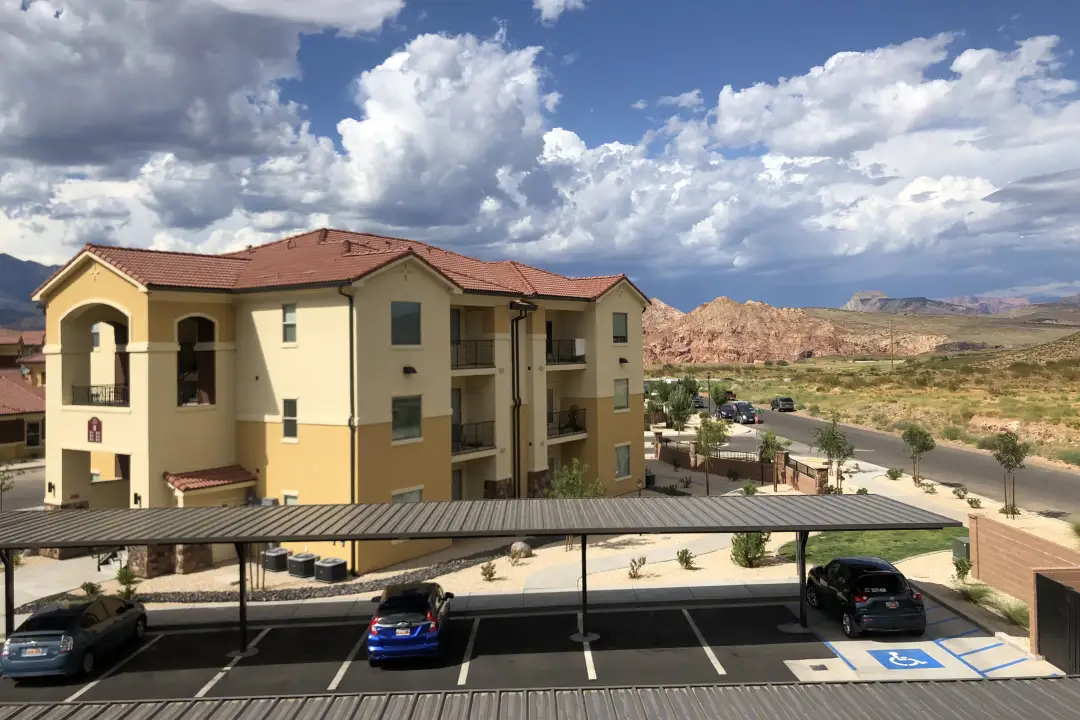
<point>195,366</point>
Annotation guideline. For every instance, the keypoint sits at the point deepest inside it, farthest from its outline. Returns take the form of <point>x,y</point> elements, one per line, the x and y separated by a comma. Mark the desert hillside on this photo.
<point>724,331</point>
<point>1066,349</point>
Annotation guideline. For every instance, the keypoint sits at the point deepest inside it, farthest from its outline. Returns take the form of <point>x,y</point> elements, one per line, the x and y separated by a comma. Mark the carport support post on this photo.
<point>9,591</point>
<point>800,557</point>
<point>241,561</point>
<point>583,635</point>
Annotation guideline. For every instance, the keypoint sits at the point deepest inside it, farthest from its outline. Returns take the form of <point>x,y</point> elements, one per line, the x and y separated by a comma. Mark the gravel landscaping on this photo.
<point>352,587</point>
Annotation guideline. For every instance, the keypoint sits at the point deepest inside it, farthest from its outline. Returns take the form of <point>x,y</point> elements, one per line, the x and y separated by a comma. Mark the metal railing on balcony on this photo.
<point>100,395</point>
<point>189,393</point>
<point>564,352</point>
<point>472,437</point>
<point>566,422</point>
<point>470,354</point>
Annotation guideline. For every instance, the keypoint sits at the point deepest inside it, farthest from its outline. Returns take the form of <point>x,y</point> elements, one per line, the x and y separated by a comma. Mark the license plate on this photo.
<point>33,652</point>
<point>892,604</point>
<point>403,632</point>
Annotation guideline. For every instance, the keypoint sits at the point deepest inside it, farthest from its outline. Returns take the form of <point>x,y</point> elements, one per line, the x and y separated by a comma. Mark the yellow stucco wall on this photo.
<point>89,283</point>
<point>167,308</point>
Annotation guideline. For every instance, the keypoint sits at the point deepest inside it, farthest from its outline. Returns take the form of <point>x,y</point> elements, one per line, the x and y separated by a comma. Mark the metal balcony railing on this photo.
<point>189,393</point>
<point>469,354</point>
<point>472,437</point>
<point>563,352</point>
<point>566,422</point>
<point>100,395</point>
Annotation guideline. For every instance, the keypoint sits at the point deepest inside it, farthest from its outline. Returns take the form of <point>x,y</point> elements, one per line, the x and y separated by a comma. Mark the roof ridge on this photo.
<point>487,280</point>
<point>91,246</point>
<point>514,266</point>
<point>249,248</point>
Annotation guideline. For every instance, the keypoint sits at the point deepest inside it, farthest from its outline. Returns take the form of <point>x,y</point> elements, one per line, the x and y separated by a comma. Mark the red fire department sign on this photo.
<point>93,430</point>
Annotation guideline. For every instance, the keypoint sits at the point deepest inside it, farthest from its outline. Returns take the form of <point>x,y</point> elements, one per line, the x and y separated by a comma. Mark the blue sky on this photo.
<point>513,137</point>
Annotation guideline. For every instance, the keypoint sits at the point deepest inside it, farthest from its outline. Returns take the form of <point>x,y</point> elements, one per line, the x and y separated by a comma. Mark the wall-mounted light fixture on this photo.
<point>409,370</point>
<point>137,500</point>
<point>50,488</point>
<point>624,361</point>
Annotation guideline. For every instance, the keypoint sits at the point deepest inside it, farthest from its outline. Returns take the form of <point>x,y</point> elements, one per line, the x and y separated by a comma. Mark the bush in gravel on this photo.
<point>686,481</point>
<point>952,433</point>
<point>962,567</point>
<point>90,589</point>
<point>748,549</point>
<point>487,571</point>
<point>894,473</point>
<point>128,582</point>
<point>862,491</point>
<point>685,558</point>
<point>960,492</point>
<point>749,489</point>
<point>1016,612</point>
<point>929,488</point>
<point>974,502</point>
<point>636,564</point>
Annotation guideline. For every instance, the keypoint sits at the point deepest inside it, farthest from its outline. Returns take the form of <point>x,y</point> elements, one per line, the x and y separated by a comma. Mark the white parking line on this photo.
<point>90,685</point>
<point>340,675</point>
<point>590,668</point>
<point>704,645</point>
<point>463,674</point>
<point>232,663</point>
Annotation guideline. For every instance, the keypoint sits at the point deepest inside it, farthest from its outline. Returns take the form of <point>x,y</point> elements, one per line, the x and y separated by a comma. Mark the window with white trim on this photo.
<point>405,417</point>
<point>95,335</point>
<point>288,322</point>
<point>289,415</point>
<point>95,476</point>
<point>291,498</point>
<point>622,394</point>
<point>622,462</point>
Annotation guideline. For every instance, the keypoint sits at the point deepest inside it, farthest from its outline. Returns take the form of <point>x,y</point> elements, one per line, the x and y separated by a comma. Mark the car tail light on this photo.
<point>372,630</point>
<point>4,651</point>
<point>67,644</point>
<point>434,625</point>
<point>916,595</point>
<point>861,598</point>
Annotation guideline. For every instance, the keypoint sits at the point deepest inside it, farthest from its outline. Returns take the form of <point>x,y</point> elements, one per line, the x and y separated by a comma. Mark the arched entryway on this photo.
<point>196,371</point>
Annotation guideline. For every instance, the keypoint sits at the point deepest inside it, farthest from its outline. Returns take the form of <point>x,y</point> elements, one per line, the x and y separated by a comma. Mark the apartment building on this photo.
<point>22,395</point>
<point>333,367</point>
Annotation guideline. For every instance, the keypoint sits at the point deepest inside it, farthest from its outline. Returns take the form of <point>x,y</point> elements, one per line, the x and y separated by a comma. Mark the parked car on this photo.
<point>699,402</point>
<point>67,638</point>
<point>726,411</point>
<point>408,622</point>
<point>869,594</point>
<point>745,413</point>
<point>783,404</point>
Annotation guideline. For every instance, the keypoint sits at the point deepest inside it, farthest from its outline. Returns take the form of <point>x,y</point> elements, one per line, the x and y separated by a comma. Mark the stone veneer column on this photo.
<point>65,553</point>
<point>498,489</point>
<point>151,561</point>
<point>193,558</point>
<point>539,482</point>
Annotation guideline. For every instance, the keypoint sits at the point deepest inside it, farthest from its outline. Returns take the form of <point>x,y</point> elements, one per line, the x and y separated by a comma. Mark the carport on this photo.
<point>240,526</point>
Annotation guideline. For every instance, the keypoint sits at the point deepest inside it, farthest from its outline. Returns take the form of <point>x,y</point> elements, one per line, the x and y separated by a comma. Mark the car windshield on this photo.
<point>881,584</point>
<point>403,608</point>
<point>786,400</point>
<point>48,622</point>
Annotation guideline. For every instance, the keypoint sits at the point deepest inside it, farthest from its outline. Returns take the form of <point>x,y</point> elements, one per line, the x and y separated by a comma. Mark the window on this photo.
<point>407,496</point>
<point>288,419</point>
<point>95,476</point>
<point>33,434</point>
<point>622,394</point>
<point>113,606</point>
<point>404,323</point>
<point>291,498</point>
<point>622,462</point>
<point>619,333</point>
<point>95,336</point>
<point>288,323</point>
<point>405,418</point>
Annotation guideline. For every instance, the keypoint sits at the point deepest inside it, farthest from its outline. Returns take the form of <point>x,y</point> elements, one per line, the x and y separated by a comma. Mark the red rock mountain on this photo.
<point>727,331</point>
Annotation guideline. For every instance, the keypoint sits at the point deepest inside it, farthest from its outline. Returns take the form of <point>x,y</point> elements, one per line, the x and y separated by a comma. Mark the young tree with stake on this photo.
<point>919,441</point>
<point>834,445</point>
<point>711,436</point>
<point>1011,453</point>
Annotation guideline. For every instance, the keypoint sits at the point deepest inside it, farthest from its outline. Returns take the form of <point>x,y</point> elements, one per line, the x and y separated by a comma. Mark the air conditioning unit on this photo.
<point>276,560</point>
<point>579,348</point>
<point>302,565</point>
<point>330,570</point>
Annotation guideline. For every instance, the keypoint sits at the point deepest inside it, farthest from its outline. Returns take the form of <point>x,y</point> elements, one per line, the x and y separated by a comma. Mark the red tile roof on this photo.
<point>213,477</point>
<point>12,336</point>
<point>32,359</point>
<point>17,397</point>
<point>336,256</point>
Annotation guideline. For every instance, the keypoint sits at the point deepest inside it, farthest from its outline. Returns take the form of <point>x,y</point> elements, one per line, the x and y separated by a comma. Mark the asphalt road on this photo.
<point>29,491</point>
<point>1048,491</point>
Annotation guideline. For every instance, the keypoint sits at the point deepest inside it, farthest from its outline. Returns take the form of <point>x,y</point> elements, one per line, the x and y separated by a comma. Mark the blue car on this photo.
<point>408,622</point>
<point>68,638</point>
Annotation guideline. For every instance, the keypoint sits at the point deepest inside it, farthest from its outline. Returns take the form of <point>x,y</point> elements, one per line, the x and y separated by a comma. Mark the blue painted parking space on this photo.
<point>905,659</point>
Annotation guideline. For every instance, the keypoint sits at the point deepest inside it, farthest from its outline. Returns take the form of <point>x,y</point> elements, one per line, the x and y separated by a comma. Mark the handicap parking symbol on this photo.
<point>905,659</point>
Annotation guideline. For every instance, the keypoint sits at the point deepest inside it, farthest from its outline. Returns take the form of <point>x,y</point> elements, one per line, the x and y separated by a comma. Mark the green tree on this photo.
<point>1011,453</point>
<point>771,445</point>
<point>680,407</point>
<point>834,445</point>
<point>711,436</point>
<point>7,480</point>
<point>717,393</point>
<point>569,483</point>
<point>919,441</point>
<point>691,384</point>
<point>661,390</point>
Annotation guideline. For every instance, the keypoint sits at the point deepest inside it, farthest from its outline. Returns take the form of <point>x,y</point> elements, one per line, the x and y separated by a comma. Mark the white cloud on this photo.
<point>550,10</point>
<point>640,105</point>
<point>349,16</point>
<point>942,158</point>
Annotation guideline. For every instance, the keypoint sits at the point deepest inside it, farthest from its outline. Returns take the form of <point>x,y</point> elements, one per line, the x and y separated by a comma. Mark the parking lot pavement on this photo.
<point>527,652</point>
<point>436,674</point>
<point>642,648</point>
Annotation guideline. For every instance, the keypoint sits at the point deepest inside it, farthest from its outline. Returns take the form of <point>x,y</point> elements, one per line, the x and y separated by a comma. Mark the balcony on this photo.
<point>191,393</point>
<point>472,355</point>
<point>472,437</point>
<point>564,423</point>
<point>565,352</point>
<point>100,395</point>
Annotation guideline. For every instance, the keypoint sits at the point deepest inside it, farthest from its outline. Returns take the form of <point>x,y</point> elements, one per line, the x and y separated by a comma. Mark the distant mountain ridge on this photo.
<point>877,301</point>
<point>18,279</point>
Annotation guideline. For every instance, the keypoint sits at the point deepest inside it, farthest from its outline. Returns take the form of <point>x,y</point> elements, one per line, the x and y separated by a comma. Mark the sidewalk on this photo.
<point>26,465</point>
<point>41,577</point>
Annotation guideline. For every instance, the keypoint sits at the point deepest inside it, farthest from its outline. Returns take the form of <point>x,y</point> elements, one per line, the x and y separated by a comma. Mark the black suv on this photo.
<point>783,404</point>
<point>869,594</point>
<point>726,412</point>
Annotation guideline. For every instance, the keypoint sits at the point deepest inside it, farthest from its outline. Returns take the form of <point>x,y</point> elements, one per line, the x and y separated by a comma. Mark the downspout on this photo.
<point>523,308</point>
<point>352,417</point>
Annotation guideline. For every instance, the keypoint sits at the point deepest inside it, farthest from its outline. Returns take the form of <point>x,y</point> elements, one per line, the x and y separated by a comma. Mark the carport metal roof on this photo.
<point>1054,699</point>
<point>461,519</point>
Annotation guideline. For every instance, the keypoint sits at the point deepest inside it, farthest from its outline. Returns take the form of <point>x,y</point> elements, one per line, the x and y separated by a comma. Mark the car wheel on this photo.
<point>850,628</point>
<point>140,628</point>
<point>87,665</point>
<point>372,662</point>
<point>919,632</point>
<point>812,597</point>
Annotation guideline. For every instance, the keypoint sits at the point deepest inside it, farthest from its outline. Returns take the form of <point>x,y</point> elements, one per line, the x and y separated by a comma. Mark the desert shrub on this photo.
<point>814,410</point>
<point>128,582</point>
<point>16,559</point>
<point>953,385</point>
<point>1009,509</point>
<point>1016,612</point>
<point>976,593</point>
<point>783,363</point>
<point>634,573</point>
<point>974,502</point>
<point>960,492</point>
<point>929,488</point>
<point>686,481</point>
<point>967,413</point>
<point>768,363</point>
<point>90,589</point>
<point>952,433</point>
<point>902,425</point>
<point>986,442</point>
<point>748,549</point>
<point>749,489</point>
<point>1070,456</point>
<point>487,571</point>
<point>962,567</point>
<point>894,473</point>
<point>685,558</point>
<point>862,491</point>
